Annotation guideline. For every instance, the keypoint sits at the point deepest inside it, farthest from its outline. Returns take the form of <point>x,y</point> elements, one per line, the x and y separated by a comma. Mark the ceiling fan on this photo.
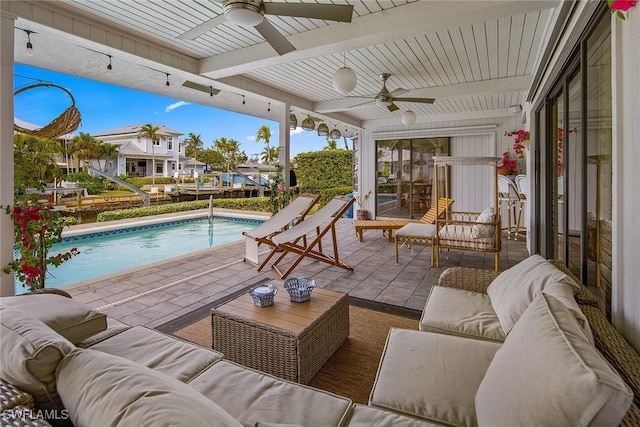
<point>251,13</point>
<point>383,98</point>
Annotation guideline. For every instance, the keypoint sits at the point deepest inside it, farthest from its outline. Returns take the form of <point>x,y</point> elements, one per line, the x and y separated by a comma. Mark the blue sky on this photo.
<point>104,107</point>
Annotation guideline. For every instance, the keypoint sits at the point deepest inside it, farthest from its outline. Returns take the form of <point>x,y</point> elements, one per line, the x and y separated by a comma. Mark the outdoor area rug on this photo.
<point>351,371</point>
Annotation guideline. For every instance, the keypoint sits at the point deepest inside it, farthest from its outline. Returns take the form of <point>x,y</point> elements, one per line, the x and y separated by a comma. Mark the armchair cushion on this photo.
<point>548,373</point>
<point>485,221</point>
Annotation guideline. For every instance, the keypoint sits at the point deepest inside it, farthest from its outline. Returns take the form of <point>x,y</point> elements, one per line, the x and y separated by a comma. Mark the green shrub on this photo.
<point>320,170</point>
<point>93,184</point>
<point>261,204</point>
<point>330,193</point>
<point>140,181</point>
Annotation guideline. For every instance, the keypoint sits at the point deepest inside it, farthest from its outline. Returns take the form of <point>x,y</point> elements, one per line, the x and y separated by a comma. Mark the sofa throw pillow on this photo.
<point>513,290</point>
<point>548,373</point>
<point>71,319</point>
<point>30,353</point>
<point>484,230</point>
<point>100,389</point>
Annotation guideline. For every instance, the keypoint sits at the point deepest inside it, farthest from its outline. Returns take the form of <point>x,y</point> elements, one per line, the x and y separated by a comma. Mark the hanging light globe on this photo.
<point>335,134</point>
<point>344,80</point>
<point>293,121</point>
<point>323,129</point>
<point>408,118</point>
<point>308,124</point>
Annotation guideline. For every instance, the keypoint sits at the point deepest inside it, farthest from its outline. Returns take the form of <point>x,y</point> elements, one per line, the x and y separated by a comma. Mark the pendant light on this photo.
<point>408,118</point>
<point>335,134</point>
<point>344,79</point>
<point>308,124</point>
<point>323,129</point>
<point>293,121</point>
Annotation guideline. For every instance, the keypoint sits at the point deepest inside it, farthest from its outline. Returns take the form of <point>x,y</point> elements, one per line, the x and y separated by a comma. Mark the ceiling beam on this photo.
<point>466,115</point>
<point>420,17</point>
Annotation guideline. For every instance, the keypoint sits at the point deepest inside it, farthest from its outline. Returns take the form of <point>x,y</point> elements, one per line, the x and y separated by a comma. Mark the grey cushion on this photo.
<point>71,319</point>
<point>463,313</point>
<point>251,396</point>
<point>431,376</point>
<point>170,355</point>
<point>367,416</point>
<point>104,390</point>
<point>514,289</point>
<point>548,373</point>
<point>30,353</point>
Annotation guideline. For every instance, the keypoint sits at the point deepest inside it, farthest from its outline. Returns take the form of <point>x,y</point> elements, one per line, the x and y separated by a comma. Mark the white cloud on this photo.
<point>175,105</point>
<point>296,131</point>
<point>251,138</point>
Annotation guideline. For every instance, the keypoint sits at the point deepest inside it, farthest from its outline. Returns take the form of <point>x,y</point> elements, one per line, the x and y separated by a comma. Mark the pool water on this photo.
<point>111,252</point>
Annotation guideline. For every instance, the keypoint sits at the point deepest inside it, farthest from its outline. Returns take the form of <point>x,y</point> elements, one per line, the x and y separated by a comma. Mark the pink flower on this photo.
<point>622,5</point>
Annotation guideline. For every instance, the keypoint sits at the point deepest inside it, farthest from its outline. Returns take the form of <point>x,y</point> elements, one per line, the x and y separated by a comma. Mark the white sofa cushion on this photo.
<point>460,312</point>
<point>548,373</point>
<point>172,356</point>
<point>514,289</point>
<point>431,376</point>
<point>72,319</point>
<point>100,389</point>
<point>29,354</point>
<point>251,396</point>
<point>484,229</point>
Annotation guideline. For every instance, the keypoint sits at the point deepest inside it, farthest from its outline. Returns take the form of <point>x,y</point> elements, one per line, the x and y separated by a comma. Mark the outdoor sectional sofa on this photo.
<point>527,346</point>
<point>83,368</point>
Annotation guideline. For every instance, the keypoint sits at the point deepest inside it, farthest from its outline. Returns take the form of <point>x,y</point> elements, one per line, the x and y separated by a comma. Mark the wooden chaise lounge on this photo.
<point>388,225</point>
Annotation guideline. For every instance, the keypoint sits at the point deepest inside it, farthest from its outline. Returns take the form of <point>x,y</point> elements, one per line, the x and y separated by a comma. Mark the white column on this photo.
<point>6,148</point>
<point>284,140</point>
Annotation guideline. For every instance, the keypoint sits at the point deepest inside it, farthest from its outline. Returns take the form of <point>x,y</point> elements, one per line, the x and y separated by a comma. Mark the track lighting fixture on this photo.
<point>109,67</point>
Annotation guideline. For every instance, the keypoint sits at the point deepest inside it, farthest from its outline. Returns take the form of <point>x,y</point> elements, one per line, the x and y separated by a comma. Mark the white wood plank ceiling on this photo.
<point>471,56</point>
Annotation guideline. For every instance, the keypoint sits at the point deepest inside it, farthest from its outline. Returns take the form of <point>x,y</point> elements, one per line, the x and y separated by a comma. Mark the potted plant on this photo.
<point>361,200</point>
<point>508,165</point>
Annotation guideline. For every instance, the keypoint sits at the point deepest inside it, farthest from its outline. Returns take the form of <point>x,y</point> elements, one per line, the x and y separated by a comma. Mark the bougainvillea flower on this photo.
<point>622,5</point>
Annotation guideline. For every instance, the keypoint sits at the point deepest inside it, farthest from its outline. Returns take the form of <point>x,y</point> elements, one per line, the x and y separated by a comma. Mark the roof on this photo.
<point>134,129</point>
<point>129,149</point>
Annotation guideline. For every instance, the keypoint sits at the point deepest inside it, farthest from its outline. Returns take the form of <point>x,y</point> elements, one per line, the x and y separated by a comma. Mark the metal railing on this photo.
<point>145,196</point>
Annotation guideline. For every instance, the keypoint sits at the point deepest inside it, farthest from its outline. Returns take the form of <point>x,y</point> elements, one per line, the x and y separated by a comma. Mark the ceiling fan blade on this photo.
<point>394,94</point>
<point>330,12</point>
<point>203,28</point>
<point>274,37</point>
<point>420,100</point>
<point>342,104</point>
<point>393,107</point>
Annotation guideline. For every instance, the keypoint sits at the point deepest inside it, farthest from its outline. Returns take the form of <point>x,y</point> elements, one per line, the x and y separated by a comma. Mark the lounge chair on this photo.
<point>291,214</point>
<point>305,238</point>
<point>388,225</point>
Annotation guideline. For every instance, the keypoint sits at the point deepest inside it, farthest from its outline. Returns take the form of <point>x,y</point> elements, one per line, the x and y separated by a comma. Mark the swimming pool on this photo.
<point>112,251</point>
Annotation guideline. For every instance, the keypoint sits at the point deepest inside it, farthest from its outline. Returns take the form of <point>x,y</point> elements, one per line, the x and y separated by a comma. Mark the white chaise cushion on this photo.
<point>72,319</point>
<point>547,373</point>
<point>100,389</point>
<point>460,312</point>
<point>514,289</point>
<point>485,221</point>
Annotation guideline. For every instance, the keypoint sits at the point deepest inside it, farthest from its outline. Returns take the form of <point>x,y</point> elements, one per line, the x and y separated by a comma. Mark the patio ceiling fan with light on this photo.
<point>383,98</point>
<point>251,13</point>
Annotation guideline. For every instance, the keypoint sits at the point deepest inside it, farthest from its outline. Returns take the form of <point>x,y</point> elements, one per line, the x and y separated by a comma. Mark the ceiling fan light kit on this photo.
<point>408,118</point>
<point>244,13</point>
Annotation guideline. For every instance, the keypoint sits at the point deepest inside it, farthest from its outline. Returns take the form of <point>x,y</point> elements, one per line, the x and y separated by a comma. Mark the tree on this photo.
<point>34,162</point>
<point>84,147</point>
<point>264,133</point>
<point>107,152</point>
<point>151,132</point>
<point>230,151</point>
<point>332,144</point>
<point>272,153</point>
<point>194,144</point>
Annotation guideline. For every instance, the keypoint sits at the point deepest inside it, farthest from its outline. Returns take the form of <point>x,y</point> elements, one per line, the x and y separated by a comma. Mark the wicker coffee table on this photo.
<point>290,340</point>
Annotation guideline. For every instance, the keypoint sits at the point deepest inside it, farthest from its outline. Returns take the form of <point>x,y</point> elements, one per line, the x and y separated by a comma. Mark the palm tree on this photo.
<point>151,131</point>
<point>108,152</point>
<point>265,133</point>
<point>194,144</point>
<point>84,146</point>
<point>272,153</point>
<point>332,144</point>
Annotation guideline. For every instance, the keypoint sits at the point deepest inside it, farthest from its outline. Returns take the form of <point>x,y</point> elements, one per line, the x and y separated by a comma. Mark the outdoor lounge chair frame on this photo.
<point>298,239</point>
<point>455,230</point>
<point>288,216</point>
<point>388,225</point>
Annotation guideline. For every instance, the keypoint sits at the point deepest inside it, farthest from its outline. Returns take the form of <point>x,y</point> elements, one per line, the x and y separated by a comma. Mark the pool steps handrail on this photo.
<point>146,197</point>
